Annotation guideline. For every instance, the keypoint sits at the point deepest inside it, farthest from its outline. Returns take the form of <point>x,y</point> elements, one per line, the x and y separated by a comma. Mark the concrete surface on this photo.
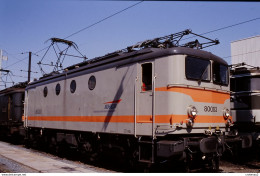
<point>38,162</point>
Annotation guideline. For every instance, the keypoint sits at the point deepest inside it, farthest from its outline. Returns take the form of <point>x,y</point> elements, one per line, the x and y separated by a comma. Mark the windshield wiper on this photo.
<point>201,76</point>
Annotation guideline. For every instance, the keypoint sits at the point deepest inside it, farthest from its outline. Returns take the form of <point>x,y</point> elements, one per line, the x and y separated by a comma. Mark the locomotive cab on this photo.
<point>197,92</point>
<point>191,104</point>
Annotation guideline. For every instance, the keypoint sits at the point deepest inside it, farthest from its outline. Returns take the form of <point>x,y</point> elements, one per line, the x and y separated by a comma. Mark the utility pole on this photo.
<point>29,66</point>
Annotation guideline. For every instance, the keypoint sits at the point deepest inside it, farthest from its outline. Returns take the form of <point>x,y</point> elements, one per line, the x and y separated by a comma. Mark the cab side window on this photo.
<point>147,76</point>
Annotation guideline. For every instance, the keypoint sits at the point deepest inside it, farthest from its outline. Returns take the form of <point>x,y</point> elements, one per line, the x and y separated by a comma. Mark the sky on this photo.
<point>28,25</point>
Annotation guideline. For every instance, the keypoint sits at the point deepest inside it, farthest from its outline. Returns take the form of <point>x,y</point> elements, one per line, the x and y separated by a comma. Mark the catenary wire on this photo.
<point>240,54</point>
<point>226,27</point>
<point>230,26</point>
<point>82,29</point>
<point>104,19</point>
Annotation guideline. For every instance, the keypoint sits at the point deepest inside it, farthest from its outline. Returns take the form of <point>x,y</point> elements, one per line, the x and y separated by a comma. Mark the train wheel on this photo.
<point>89,148</point>
<point>52,144</point>
<point>62,149</point>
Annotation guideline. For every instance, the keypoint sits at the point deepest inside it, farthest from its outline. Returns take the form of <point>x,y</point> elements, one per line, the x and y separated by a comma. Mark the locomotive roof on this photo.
<point>15,88</point>
<point>244,71</point>
<point>123,58</point>
<point>163,52</point>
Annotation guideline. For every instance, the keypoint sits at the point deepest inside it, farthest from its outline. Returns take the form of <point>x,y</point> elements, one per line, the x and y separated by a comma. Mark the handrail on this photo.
<point>153,110</point>
<point>197,87</point>
<point>135,105</point>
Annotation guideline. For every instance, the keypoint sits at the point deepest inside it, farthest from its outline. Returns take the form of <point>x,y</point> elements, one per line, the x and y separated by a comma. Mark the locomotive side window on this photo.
<point>73,86</point>
<point>220,74</point>
<point>92,83</point>
<point>197,69</point>
<point>57,89</point>
<point>147,76</point>
<point>244,84</point>
<point>255,83</point>
<point>45,91</point>
<point>239,84</point>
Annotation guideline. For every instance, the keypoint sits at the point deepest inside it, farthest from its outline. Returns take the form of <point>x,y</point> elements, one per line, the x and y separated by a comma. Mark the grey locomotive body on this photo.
<point>155,103</point>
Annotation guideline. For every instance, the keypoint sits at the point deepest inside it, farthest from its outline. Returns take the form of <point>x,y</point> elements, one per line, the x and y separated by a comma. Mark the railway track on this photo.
<point>246,167</point>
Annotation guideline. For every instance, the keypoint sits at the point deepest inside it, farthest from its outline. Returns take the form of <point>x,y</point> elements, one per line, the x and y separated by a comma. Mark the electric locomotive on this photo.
<point>154,101</point>
<point>245,98</point>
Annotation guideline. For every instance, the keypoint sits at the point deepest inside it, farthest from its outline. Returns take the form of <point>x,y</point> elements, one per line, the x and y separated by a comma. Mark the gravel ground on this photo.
<point>8,166</point>
<point>248,167</point>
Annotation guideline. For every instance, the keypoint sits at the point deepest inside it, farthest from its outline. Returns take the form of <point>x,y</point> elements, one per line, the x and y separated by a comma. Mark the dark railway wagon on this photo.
<point>11,110</point>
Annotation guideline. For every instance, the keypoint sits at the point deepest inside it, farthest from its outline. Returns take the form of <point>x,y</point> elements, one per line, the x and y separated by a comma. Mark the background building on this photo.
<point>246,50</point>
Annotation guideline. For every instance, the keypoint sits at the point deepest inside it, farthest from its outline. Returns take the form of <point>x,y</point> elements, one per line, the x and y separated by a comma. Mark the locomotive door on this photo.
<point>144,96</point>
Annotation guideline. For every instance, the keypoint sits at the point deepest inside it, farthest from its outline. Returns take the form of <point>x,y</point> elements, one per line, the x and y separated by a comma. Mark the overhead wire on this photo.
<point>110,16</point>
<point>241,54</point>
<point>226,27</point>
<point>11,74</point>
<point>19,60</point>
<point>131,6</point>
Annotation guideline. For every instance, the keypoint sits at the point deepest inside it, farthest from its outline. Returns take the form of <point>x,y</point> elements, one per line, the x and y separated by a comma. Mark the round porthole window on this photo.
<point>92,83</point>
<point>45,91</point>
<point>57,89</point>
<point>73,86</point>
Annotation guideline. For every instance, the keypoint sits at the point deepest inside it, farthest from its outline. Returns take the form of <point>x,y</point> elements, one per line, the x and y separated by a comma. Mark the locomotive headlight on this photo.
<point>226,113</point>
<point>192,112</point>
